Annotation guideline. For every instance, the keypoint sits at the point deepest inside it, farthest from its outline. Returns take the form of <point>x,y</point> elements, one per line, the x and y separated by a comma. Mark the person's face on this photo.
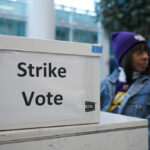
<point>140,61</point>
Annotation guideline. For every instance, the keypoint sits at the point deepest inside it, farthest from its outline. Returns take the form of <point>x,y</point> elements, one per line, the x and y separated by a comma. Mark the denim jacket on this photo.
<point>136,102</point>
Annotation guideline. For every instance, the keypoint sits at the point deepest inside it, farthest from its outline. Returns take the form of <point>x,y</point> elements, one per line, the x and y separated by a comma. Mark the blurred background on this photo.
<point>86,21</point>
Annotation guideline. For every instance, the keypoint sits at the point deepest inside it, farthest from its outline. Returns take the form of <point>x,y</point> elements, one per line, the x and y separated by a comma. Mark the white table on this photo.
<point>116,132</point>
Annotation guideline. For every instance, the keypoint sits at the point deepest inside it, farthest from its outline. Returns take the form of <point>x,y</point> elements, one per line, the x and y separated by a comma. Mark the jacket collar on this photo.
<point>114,77</point>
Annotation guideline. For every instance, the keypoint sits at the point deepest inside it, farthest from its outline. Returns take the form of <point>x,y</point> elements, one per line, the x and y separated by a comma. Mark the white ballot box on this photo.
<point>47,83</point>
<point>115,132</point>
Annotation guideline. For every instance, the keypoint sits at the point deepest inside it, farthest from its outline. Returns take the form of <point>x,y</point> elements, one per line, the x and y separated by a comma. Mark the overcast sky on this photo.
<point>81,4</point>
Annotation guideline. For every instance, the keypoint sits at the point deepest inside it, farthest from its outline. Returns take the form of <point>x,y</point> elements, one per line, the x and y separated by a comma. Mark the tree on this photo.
<point>124,15</point>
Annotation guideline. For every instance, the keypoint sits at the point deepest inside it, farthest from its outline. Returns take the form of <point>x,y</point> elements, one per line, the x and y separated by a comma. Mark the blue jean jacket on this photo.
<point>136,102</point>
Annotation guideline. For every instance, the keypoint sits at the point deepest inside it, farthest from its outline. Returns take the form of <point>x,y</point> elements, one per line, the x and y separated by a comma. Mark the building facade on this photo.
<point>76,25</point>
<point>70,24</point>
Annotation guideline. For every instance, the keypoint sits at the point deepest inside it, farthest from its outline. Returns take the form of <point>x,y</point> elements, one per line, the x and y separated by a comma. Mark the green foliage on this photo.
<point>124,15</point>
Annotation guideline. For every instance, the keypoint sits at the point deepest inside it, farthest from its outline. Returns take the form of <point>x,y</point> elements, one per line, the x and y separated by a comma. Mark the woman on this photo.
<point>127,90</point>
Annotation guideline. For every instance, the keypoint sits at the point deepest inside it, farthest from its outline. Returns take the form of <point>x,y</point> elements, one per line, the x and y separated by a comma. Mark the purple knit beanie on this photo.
<point>122,41</point>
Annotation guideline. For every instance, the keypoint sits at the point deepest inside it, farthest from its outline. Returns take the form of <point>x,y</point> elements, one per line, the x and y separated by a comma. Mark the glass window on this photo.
<point>85,36</point>
<point>12,27</point>
<point>62,33</point>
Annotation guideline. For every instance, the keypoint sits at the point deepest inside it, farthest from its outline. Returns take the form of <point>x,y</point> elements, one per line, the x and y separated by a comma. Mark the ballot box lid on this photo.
<point>49,46</point>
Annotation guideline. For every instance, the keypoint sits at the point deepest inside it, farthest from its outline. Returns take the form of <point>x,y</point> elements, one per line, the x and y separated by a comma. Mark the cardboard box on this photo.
<point>48,83</point>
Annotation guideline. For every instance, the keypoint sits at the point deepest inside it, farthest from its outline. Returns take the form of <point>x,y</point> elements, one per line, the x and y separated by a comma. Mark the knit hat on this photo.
<point>122,41</point>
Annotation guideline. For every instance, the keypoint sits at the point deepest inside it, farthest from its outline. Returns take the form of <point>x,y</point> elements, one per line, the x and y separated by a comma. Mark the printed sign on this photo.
<point>38,87</point>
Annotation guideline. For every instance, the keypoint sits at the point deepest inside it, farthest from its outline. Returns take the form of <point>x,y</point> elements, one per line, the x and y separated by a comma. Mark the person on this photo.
<point>127,90</point>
